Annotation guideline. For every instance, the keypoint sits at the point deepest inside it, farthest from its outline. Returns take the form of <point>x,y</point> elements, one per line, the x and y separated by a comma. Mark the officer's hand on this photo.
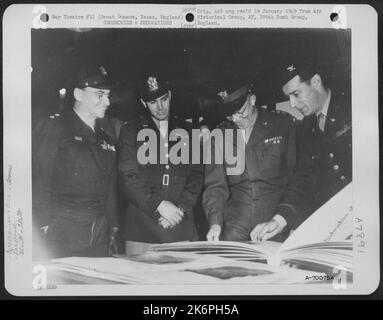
<point>164,223</point>
<point>205,134</point>
<point>264,231</point>
<point>213,233</point>
<point>170,212</point>
<point>113,237</point>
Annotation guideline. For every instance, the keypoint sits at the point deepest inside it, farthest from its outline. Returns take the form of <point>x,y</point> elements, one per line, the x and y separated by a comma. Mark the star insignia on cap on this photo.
<point>152,83</point>
<point>223,94</point>
<point>291,68</point>
<point>103,71</point>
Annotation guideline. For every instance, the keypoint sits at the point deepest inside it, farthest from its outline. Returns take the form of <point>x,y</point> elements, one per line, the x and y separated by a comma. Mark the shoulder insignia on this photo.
<point>222,124</point>
<point>144,121</point>
<point>54,116</point>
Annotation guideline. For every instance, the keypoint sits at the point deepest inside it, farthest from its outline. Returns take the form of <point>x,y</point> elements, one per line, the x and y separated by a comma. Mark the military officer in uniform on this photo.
<point>74,173</point>
<point>326,129</point>
<point>236,203</point>
<point>161,194</point>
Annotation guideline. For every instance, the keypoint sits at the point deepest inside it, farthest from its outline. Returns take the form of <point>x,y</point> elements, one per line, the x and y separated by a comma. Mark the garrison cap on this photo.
<point>303,67</point>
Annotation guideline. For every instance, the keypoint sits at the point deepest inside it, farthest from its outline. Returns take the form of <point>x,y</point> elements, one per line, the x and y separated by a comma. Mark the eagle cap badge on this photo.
<point>152,83</point>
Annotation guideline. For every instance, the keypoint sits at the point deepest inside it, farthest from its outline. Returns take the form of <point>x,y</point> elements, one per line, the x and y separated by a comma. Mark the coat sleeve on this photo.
<point>295,205</point>
<point>216,192</point>
<point>45,141</point>
<point>133,187</point>
<point>112,201</point>
<point>192,188</point>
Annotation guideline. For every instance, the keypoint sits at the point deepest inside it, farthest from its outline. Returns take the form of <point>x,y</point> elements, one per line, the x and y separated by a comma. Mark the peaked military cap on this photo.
<point>232,97</point>
<point>94,77</point>
<point>153,86</point>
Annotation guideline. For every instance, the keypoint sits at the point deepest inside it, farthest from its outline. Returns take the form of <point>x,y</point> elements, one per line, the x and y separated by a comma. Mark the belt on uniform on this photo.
<point>88,212</point>
<point>165,180</point>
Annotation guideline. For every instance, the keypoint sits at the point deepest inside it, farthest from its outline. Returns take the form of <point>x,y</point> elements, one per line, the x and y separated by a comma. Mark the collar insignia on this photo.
<point>223,94</point>
<point>290,68</point>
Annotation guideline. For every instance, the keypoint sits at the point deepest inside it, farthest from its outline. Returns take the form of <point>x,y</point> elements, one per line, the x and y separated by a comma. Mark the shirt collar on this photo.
<point>163,127</point>
<point>247,132</point>
<point>325,106</point>
<point>84,120</point>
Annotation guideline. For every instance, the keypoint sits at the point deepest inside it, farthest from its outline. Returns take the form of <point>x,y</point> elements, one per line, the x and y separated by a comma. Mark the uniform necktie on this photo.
<point>246,134</point>
<point>163,128</point>
<point>243,132</point>
<point>321,121</point>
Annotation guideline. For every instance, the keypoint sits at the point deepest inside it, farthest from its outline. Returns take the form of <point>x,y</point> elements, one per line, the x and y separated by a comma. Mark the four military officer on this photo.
<point>289,170</point>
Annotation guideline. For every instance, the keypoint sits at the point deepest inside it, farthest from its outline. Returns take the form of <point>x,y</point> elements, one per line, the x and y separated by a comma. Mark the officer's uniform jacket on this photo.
<point>332,148</point>
<point>252,197</point>
<point>74,172</point>
<point>146,185</point>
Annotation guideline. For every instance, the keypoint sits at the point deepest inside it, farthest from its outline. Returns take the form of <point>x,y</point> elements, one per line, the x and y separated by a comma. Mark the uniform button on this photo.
<point>336,167</point>
<point>89,208</point>
<point>75,173</point>
<point>313,157</point>
<point>331,155</point>
<point>313,130</point>
<point>167,155</point>
<point>342,178</point>
<point>167,167</point>
<point>67,210</point>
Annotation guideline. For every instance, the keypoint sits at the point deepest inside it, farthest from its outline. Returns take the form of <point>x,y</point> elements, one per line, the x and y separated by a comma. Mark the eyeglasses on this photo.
<point>100,94</point>
<point>241,114</point>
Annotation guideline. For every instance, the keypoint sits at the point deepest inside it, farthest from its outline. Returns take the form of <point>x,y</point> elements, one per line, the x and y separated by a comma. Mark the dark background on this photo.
<point>198,62</point>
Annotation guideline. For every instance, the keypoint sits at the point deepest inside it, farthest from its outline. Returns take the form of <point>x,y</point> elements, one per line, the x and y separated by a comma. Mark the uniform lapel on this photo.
<point>260,129</point>
<point>334,120</point>
<point>92,139</point>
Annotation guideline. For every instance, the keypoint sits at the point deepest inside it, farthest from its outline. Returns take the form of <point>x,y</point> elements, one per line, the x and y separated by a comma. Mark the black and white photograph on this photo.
<point>203,156</point>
